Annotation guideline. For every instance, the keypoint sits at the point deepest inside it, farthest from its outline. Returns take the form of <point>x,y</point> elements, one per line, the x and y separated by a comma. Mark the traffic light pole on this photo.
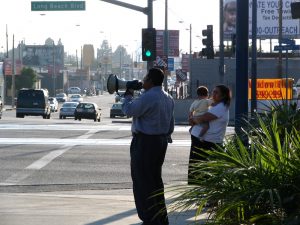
<point>146,10</point>
<point>241,96</point>
<point>221,62</point>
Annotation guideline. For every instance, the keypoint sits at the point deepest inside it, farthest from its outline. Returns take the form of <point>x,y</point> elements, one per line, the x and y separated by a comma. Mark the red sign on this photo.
<point>173,43</point>
<point>8,67</point>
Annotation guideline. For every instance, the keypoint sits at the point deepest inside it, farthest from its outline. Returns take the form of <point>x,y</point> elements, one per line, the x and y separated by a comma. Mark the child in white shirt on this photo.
<point>200,106</point>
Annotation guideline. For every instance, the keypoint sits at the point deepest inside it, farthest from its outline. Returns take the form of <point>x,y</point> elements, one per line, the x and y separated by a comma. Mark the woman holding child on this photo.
<point>217,117</point>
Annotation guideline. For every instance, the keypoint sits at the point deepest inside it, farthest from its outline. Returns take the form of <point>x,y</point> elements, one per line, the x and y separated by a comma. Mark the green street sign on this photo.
<point>58,6</point>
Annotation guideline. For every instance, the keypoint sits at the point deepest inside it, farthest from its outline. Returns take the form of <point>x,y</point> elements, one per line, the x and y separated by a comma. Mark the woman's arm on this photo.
<point>206,117</point>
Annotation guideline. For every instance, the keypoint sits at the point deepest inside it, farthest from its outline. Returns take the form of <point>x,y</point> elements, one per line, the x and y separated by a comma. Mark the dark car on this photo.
<point>61,97</point>
<point>33,102</point>
<point>116,110</point>
<point>87,110</point>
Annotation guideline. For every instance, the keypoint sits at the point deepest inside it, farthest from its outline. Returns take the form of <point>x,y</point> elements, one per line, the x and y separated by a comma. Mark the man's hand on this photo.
<point>129,92</point>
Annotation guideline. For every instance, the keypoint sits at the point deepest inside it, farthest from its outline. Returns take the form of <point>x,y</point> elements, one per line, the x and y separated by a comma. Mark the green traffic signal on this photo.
<point>148,53</point>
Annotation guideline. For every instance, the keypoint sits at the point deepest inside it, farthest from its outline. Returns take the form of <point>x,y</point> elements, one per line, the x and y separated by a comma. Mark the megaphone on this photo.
<point>114,84</point>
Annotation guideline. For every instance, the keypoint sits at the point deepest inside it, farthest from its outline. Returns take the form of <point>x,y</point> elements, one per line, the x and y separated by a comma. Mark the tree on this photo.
<point>27,79</point>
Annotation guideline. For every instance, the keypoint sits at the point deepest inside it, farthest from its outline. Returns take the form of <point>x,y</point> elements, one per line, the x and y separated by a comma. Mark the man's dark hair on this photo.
<point>202,91</point>
<point>156,75</point>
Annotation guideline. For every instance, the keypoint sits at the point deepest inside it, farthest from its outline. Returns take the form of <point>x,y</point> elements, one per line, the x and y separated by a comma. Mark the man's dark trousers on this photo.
<point>147,156</point>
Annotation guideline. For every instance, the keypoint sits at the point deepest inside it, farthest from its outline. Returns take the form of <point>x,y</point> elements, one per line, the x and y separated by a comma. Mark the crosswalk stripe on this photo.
<point>79,141</point>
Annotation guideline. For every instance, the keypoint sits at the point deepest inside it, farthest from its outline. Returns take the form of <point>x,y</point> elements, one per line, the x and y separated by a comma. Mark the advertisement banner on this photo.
<point>173,43</point>
<point>272,89</point>
<point>43,56</point>
<point>267,19</point>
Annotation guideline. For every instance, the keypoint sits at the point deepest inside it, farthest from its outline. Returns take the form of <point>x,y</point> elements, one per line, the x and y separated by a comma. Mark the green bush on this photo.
<point>255,184</point>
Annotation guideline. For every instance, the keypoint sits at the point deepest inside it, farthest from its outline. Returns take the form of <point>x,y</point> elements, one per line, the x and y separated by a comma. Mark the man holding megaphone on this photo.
<point>152,126</point>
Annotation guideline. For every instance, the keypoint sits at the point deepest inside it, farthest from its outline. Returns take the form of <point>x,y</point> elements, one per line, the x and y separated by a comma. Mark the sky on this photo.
<point>102,20</point>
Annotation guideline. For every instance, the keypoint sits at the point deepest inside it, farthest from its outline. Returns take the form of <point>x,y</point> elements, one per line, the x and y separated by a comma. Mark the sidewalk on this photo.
<point>96,207</point>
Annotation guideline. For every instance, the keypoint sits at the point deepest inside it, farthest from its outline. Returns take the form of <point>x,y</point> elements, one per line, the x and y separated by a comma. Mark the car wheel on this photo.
<point>99,119</point>
<point>65,117</point>
<point>60,117</point>
<point>48,116</point>
<point>75,118</point>
<point>79,119</point>
<point>19,115</point>
<point>44,116</point>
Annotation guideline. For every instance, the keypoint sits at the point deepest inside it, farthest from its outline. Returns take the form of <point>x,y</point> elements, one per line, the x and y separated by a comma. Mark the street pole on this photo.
<point>13,75</point>
<point>150,25</point>
<point>190,62</point>
<point>253,58</point>
<point>279,66</point>
<point>53,69</point>
<point>221,66</point>
<point>241,98</point>
<point>166,43</point>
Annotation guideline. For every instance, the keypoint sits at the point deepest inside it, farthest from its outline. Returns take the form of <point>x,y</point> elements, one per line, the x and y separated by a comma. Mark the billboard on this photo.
<point>272,89</point>
<point>173,43</point>
<point>267,19</point>
<point>43,56</point>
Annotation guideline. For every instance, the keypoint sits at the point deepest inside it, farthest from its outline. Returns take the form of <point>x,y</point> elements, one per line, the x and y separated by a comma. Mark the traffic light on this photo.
<point>148,44</point>
<point>208,51</point>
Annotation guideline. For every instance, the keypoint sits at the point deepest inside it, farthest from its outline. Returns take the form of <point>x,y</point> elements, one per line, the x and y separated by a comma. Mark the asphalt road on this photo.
<point>38,155</point>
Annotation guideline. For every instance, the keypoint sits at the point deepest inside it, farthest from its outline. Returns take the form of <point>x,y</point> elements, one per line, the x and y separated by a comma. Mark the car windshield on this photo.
<point>75,96</point>
<point>69,105</point>
<point>86,106</point>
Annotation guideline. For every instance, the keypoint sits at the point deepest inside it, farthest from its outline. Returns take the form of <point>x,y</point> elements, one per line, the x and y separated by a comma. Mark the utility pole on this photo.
<point>53,78</point>
<point>166,43</point>
<point>13,75</point>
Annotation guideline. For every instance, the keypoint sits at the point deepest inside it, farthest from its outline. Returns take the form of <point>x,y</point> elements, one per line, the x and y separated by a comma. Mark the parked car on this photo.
<point>74,90</point>
<point>61,97</point>
<point>75,98</point>
<point>33,102</point>
<point>53,104</point>
<point>116,110</point>
<point>88,110</point>
<point>67,110</point>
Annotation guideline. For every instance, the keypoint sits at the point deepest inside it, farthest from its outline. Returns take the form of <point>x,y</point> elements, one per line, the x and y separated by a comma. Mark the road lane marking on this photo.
<point>42,162</point>
<point>77,141</point>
